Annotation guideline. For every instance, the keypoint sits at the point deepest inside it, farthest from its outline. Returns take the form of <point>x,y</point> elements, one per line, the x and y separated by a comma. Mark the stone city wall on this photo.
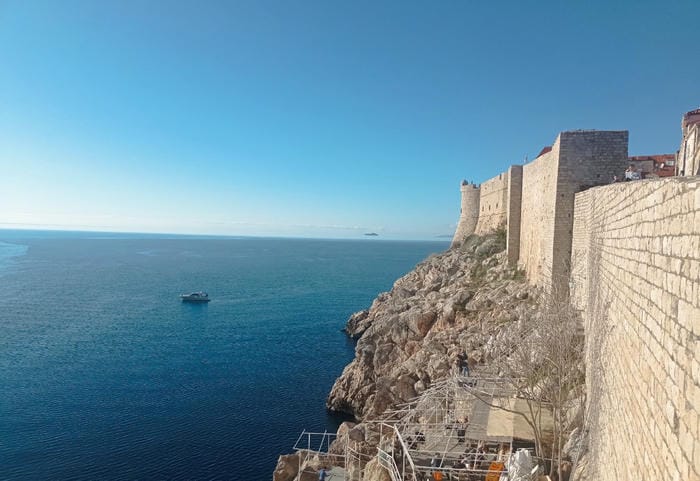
<point>493,204</point>
<point>580,250</point>
<point>536,201</point>
<point>539,195</point>
<point>636,278</point>
<point>630,255</point>
<point>578,160</point>
<point>515,195</point>
<point>587,158</point>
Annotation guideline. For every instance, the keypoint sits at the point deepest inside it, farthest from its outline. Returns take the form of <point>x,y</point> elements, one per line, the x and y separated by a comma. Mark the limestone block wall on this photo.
<point>637,282</point>
<point>539,195</point>
<point>578,160</point>
<point>591,157</point>
<point>493,204</point>
<point>515,194</point>
<point>587,158</point>
<point>536,201</point>
<point>469,213</point>
<point>580,249</point>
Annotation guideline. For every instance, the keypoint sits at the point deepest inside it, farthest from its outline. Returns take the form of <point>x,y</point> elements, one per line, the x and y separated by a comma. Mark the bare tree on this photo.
<point>540,357</point>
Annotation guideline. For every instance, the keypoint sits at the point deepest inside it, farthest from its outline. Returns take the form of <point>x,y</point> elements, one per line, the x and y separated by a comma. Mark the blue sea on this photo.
<point>105,374</point>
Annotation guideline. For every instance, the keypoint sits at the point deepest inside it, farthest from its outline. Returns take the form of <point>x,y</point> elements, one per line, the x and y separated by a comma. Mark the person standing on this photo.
<point>461,431</point>
<point>463,363</point>
<point>323,475</point>
<point>435,461</point>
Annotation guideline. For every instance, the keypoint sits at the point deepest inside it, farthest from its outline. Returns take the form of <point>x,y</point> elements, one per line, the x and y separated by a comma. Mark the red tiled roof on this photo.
<point>657,158</point>
<point>544,150</point>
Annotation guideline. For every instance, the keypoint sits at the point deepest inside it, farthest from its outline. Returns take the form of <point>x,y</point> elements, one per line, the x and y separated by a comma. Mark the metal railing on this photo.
<point>309,441</point>
<point>387,462</point>
<point>406,454</point>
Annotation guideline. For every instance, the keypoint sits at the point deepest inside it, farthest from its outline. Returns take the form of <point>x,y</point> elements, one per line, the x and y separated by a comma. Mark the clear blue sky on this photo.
<point>315,118</point>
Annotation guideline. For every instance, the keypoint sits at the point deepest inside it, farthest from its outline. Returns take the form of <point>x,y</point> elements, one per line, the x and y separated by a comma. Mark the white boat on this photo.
<point>195,297</point>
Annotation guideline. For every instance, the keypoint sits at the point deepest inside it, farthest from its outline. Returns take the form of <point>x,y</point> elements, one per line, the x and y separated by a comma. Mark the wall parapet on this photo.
<point>493,204</point>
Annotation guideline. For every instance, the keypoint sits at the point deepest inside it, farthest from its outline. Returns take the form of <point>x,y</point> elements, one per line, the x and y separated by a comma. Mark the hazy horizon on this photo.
<point>26,232</point>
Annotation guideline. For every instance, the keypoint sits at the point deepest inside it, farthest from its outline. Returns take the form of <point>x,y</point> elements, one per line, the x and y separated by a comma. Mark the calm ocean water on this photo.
<point>104,374</point>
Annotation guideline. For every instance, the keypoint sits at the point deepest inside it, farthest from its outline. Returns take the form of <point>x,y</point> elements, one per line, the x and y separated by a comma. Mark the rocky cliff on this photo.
<point>449,304</point>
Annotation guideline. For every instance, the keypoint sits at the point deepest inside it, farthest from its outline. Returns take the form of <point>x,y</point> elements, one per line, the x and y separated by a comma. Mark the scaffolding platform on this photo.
<point>464,426</point>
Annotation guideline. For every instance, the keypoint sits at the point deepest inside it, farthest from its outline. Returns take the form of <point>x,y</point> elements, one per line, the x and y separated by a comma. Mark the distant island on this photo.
<point>372,234</point>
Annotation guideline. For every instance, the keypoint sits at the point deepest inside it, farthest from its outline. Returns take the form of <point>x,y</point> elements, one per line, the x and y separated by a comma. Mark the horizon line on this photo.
<point>438,238</point>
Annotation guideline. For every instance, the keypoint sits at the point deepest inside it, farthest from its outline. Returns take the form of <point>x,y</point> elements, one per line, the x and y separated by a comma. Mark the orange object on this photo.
<point>437,475</point>
<point>495,470</point>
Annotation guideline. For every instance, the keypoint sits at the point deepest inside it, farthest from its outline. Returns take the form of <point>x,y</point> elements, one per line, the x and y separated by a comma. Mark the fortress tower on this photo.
<point>469,213</point>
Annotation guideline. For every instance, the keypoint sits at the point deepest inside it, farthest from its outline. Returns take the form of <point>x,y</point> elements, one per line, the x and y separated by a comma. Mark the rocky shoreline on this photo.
<point>451,303</point>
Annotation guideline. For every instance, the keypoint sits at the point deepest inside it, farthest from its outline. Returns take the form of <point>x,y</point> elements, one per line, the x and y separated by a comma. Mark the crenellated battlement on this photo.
<point>534,202</point>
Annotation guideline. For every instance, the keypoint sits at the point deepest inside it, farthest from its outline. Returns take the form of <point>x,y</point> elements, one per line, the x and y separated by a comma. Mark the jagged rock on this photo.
<point>357,324</point>
<point>383,397</point>
<point>375,472</point>
<point>463,301</point>
<point>421,322</point>
<point>410,337</point>
<point>404,387</point>
<point>287,468</point>
<point>342,435</point>
<point>451,303</point>
<point>357,433</point>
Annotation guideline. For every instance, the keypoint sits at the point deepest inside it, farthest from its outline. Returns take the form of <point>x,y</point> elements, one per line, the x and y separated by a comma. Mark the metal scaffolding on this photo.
<point>457,428</point>
<point>346,462</point>
<point>314,450</point>
<point>446,430</point>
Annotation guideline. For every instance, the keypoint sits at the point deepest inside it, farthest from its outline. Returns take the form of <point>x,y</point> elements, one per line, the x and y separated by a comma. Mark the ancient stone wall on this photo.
<point>578,160</point>
<point>536,201</point>
<point>580,249</point>
<point>515,194</point>
<point>539,195</point>
<point>493,204</point>
<point>636,278</point>
<point>630,255</point>
<point>587,158</point>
